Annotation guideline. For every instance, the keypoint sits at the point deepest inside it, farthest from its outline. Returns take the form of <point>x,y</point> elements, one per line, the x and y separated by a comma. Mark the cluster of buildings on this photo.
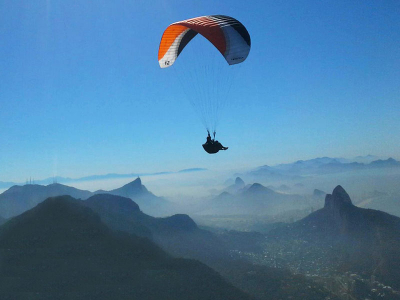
<point>367,288</point>
<point>315,265</point>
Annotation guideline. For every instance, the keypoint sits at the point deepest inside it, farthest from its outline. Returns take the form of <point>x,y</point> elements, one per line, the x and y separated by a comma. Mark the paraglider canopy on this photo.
<point>227,34</point>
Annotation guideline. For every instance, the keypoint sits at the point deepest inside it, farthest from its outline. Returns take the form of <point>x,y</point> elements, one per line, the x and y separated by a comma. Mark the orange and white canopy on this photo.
<point>227,34</point>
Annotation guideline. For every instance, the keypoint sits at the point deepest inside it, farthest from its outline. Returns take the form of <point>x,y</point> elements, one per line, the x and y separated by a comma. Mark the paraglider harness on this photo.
<point>212,146</point>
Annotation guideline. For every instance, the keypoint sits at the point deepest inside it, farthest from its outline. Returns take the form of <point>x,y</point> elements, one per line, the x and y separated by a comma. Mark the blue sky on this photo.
<point>81,91</point>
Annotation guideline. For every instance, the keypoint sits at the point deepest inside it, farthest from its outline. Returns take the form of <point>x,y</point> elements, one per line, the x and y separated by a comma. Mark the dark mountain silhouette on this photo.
<point>2,220</point>
<point>61,250</point>
<point>18,199</point>
<point>122,213</point>
<point>180,236</point>
<point>179,222</point>
<point>356,239</point>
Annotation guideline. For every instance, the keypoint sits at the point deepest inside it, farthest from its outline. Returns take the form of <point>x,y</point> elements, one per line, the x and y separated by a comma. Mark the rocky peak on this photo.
<point>338,199</point>
<point>133,188</point>
<point>257,189</point>
<point>136,182</point>
<point>239,182</point>
<point>338,205</point>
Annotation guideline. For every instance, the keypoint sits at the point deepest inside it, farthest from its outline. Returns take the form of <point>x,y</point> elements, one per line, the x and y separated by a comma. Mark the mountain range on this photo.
<point>180,236</point>
<point>18,199</point>
<point>256,199</point>
<point>61,250</point>
<point>319,166</point>
<point>339,237</point>
<point>65,248</point>
<point>322,165</point>
<point>242,199</point>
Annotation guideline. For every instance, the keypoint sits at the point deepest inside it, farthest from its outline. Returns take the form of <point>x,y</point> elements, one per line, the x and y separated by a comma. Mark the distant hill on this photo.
<point>236,187</point>
<point>254,199</point>
<point>284,188</point>
<point>148,202</point>
<point>365,159</point>
<point>132,189</point>
<point>272,173</point>
<point>319,166</point>
<point>390,162</point>
<point>318,193</point>
<point>356,239</point>
<point>122,213</point>
<point>178,234</point>
<point>61,250</point>
<point>18,199</point>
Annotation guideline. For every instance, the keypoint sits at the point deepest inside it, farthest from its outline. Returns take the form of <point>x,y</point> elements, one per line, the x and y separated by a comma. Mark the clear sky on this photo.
<point>81,91</point>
